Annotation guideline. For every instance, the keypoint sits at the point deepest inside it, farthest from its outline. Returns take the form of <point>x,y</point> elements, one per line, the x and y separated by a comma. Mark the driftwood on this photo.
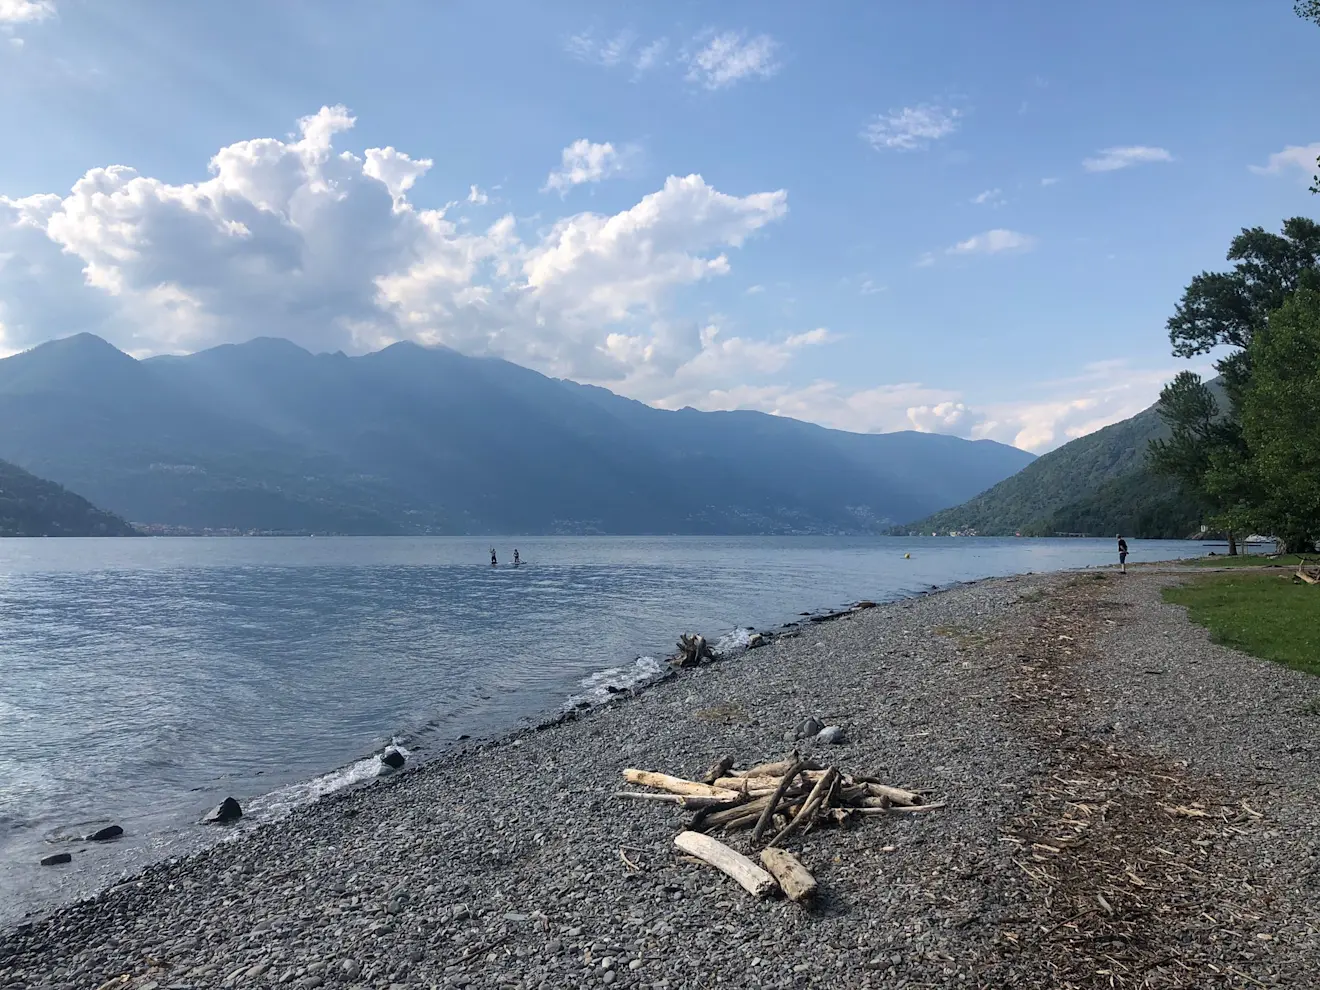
<point>1311,575</point>
<point>749,876</point>
<point>809,807</point>
<point>772,805</point>
<point>692,650</point>
<point>677,785</point>
<point>691,802</point>
<point>794,879</point>
<point>724,765</point>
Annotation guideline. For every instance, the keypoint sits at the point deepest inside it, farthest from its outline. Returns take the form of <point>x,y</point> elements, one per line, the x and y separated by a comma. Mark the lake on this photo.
<point>146,679</point>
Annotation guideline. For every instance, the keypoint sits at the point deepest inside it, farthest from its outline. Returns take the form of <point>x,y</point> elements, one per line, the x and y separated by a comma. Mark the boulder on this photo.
<point>391,758</point>
<point>807,728</point>
<point>830,735</point>
<point>56,859</point>
<point>756,640</point>
<point>105,834</point>
<point>223,813</point>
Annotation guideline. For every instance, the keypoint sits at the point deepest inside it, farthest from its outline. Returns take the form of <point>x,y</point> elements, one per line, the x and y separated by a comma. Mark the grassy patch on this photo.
<point>1248,560</point>
<point>1261,614</point>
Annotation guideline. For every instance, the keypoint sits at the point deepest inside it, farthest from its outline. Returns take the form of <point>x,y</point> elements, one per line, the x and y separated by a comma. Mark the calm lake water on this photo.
<point>141,681</point>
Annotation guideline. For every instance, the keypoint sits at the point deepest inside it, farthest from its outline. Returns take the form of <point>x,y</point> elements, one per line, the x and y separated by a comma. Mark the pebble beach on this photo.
<point>1126,805</point>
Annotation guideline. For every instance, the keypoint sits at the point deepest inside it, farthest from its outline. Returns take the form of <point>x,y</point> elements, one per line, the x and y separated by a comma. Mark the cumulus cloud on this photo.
<point>1304,159</point>
<point>327,247</point>
<point>1112,159</point>
<point>25,11</point>
<point>730,57</point>
<point>582,161</point>
<point>911,128</point>
<point>944,417</point>
<point>476,196</point>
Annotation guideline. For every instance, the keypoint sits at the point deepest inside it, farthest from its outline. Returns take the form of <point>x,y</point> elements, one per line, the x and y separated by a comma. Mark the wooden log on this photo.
<point>777,769</point>
<point>722,817</point>
<point>712,852</point>
<point>794,879</point>
<point>772,805</point>
<point>895,794</point>
<point>881,802</point>
<point>809,807</point>
<point>718,770</point>
<point>897,808</point>
<point>676,785</point>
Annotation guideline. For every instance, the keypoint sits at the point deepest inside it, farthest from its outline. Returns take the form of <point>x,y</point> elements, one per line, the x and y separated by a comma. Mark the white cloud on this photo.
<point>991,197</point>
<point>754,290</point>
<point>1049,181</point>
<point>869,288</point>
<point>25,11</point>
<point>1112,159</point>
<point>582,161</point>
<point>1304,158</point>
<point>911,128</point>
<point>730,57</point>
<point>476,196</point>
<point>993,242</point>
<point>617,50</point>
<point>327,247</point>
<point>944,417</point>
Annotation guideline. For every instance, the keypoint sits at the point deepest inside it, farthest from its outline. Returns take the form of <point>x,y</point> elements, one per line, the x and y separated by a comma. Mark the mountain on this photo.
<point>267,436</point>
<point>32,506</point>
<point>1098,484</point>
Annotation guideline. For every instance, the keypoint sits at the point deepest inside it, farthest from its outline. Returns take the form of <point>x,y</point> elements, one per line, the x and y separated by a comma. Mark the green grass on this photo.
<point>1250,560</point>
<point>1261,614</point>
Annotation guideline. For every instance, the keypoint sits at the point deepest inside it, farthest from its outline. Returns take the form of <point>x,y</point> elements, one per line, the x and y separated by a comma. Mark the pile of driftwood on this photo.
<point>776,802</point>
<point>1310,573</point>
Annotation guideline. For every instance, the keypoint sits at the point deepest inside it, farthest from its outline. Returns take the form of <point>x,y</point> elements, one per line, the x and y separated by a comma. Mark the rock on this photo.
<point>756,640</point>
<point>223,813</point>
<point>807,728</point>
<point>56,859</point>
<point>351,969</point>
<point>391,758</point>
<point>106,834</point>
<point>830,735</point>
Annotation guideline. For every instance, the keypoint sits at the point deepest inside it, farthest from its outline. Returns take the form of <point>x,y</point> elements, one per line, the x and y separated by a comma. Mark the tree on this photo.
<point>1309,9</point>
<point>1207,450</point>
<point>1280,413</point>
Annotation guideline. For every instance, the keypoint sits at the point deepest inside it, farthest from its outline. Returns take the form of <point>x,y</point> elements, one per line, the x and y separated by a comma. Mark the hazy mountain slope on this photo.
<point>32,506</point>
<point>265,435</point>
<point>1097,484</point>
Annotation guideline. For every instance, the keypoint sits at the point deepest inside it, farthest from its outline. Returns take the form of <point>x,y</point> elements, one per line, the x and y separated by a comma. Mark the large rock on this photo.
<point>392,758</point>
<point>223,813</point>
<point>830,735</point>
<point>105,834</point>
<point>56,859</point>
<point>808,728</point>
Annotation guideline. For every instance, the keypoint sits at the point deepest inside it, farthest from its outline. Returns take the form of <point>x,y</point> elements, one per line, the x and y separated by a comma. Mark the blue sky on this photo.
<point>955,216</point>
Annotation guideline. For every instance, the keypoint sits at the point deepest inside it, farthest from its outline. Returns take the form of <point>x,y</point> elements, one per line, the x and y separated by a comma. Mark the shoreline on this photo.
<point>498,864</point>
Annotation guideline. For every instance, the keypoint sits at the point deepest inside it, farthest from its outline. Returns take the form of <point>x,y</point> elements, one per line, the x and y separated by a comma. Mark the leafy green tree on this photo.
<point>1310,9</point>
<point>1280,413</point>
<point>1207,451</point>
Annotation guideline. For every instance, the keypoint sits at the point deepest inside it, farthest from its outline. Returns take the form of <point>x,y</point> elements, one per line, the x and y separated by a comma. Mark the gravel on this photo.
<point>1027,704</point>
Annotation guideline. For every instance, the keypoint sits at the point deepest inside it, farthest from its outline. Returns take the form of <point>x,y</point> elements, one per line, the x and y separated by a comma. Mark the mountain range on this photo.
<point>265,436</point>
<point>1096,485</point>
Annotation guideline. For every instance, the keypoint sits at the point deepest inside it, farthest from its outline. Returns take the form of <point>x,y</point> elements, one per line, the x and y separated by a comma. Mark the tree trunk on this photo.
<point>1232,544</point>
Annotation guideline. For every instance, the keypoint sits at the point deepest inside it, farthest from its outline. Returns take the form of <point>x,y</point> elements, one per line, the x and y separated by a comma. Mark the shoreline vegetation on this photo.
<point>1083,743</point>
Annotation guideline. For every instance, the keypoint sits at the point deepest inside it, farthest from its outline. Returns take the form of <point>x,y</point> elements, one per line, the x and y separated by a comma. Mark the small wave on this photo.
<point>279,803</point>
<point>604,684</point>
<point>733,642</point>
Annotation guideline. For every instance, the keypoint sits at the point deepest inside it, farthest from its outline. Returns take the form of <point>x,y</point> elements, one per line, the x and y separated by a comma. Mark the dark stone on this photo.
<point>807,728</point>
<point>56,859</point>
<point>223,813</point>
<point>106,834</point>
<point>391,758</point>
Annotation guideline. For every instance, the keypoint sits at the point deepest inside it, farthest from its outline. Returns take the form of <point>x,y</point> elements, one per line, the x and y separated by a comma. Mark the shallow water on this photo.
<point>141,681</point>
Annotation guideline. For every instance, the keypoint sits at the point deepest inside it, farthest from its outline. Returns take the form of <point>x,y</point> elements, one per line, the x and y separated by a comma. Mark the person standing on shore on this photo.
<point>1122,553</point>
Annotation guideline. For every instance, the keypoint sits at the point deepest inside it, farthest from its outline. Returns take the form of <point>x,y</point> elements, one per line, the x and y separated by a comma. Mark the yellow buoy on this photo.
<point>907,556</point>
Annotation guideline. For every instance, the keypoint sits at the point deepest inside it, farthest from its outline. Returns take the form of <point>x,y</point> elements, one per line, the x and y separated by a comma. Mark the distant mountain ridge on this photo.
<point>1096,485</point>
<point>32,506</point>
<point>267,436</point>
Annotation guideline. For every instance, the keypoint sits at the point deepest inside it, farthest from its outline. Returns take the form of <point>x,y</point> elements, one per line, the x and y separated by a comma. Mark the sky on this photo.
<point>950,216</point>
